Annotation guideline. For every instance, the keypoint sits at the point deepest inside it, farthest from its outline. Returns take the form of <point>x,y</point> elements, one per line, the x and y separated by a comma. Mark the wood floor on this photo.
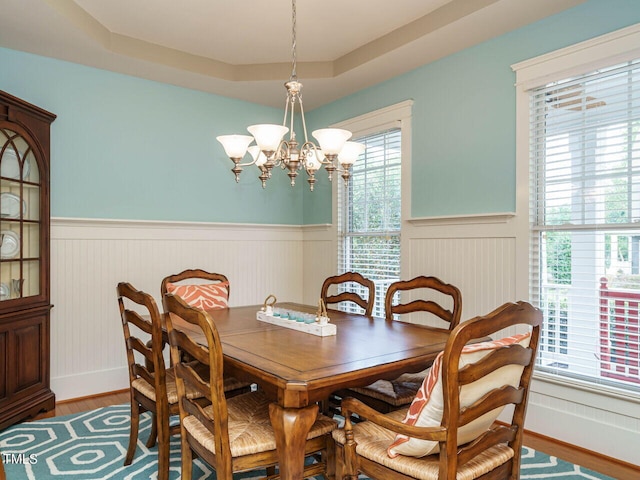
<point>599,463</point>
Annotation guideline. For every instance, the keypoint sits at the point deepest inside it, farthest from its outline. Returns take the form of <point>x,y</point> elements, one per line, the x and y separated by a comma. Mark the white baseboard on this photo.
<point>615,441</point>
<point>90,383</point>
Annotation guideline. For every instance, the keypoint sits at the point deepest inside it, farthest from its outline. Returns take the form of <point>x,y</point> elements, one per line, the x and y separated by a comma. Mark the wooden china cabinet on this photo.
<point>24,260</point>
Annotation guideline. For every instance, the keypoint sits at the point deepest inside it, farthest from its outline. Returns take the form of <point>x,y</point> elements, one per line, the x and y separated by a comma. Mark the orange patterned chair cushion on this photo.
<point>428,405</point>
<point>209,296</point>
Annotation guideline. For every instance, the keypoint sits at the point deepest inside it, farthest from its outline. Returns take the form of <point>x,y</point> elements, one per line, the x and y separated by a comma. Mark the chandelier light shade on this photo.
<point>235,146</point>
<point>268,137</point>
<point>331,140</point>
<point>333,150</point>
<point>350,153</point>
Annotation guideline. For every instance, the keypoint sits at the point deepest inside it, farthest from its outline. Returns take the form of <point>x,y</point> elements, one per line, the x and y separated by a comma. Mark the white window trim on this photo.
<point>393,116</point>
<point>616,47</point>
<point>605,50</point>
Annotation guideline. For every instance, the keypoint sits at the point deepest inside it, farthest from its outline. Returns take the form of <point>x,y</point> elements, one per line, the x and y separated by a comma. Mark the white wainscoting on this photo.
<point>482,268</point>
<point>319,259</point>
<point>483,256</point>
<point>90,257</point>
<point>484,260</point>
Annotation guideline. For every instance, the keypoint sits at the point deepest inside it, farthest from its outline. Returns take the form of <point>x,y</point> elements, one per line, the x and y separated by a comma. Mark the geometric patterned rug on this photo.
<point>92,446</point>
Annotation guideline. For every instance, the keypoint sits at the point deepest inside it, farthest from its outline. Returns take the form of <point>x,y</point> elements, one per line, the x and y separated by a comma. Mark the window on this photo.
<point>369,218</point>
<point>585,224</point>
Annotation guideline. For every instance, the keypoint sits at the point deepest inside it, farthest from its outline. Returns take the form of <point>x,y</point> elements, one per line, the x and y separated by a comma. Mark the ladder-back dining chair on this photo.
<point>230,434</point>
<point>387,395</point>
<point>365,302</point>
<point>199,288</point>
<point>152,385</point>
<point>208,291</point>
<point>449,431</point>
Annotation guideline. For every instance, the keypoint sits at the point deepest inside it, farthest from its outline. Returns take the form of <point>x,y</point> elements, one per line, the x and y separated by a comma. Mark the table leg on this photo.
<point>291,427</point>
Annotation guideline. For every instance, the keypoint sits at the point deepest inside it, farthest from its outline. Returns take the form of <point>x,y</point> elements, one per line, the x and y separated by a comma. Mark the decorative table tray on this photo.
<point>314,328</point>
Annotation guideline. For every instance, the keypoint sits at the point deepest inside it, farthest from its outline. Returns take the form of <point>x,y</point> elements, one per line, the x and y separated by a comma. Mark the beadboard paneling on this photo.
<point>482,268</point>
<point>319,259</point>
<point>90,257</point>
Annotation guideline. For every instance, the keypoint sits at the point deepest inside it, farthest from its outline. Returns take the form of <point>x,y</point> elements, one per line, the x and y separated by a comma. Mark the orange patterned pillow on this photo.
<point>209,296</point>
<point>428,405</point>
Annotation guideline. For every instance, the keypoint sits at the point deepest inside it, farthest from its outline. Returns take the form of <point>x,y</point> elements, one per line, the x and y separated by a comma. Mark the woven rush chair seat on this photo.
<point>373,441</point>
<point>250,429</point>
<point>230,384</point>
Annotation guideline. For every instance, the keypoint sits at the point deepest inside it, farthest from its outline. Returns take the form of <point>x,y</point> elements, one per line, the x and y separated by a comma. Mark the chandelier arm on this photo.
<point>246,164</point>
<point>308,145</point>
<point>281,153</point>
<point>305,148</point>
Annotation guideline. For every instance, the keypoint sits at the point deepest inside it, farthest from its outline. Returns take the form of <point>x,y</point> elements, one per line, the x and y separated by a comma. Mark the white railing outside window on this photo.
<point>585,223</point>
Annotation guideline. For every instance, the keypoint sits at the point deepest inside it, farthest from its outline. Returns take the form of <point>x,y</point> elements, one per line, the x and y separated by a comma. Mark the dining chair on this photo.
<point>230,434</point>
<point>366,303</point>
<point>152,385</point>
<point>388,395</point>
<point>208,291</point>
<point>199,288</point>
<point>449,431</point>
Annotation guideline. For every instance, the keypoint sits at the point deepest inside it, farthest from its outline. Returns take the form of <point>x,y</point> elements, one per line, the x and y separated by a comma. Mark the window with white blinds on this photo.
<point>369,216</point>
<point>585,214</point>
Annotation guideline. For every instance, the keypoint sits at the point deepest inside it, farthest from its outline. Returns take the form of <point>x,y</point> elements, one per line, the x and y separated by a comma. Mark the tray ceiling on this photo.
<point>243,49</point>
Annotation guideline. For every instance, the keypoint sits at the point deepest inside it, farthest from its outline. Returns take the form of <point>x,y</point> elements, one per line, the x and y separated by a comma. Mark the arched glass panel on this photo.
<point>20,217</point>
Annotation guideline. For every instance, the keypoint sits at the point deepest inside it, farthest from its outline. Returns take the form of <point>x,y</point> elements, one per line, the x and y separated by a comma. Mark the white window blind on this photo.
<point>369,216</point>
<point>585,213</point>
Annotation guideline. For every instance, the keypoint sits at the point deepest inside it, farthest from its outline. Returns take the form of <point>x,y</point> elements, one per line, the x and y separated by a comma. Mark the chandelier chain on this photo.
<point>294,75</point>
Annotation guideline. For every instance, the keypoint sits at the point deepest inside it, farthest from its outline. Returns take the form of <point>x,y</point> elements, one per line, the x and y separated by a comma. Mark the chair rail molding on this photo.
<point>470,219</point>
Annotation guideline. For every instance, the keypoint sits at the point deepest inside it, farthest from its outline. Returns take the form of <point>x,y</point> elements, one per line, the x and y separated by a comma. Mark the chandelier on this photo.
<point>333,151</point>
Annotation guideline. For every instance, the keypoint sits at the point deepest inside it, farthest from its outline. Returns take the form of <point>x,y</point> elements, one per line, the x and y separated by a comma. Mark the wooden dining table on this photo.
<point>297,369</point>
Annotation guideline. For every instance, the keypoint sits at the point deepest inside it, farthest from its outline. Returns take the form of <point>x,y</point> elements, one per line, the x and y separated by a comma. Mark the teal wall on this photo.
<point>464,110</point>
<point>128,148</point>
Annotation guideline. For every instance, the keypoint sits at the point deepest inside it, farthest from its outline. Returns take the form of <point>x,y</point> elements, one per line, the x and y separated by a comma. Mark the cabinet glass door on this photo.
<point>20,226</point>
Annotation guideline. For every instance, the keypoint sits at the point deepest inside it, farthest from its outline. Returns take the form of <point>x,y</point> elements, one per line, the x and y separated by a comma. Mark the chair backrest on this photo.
<point>367,304</point>
<point>432,283</point>
<point>184,350</point>
<point>145,341</point>
<point>457,374</point>
<point>188,285</point>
